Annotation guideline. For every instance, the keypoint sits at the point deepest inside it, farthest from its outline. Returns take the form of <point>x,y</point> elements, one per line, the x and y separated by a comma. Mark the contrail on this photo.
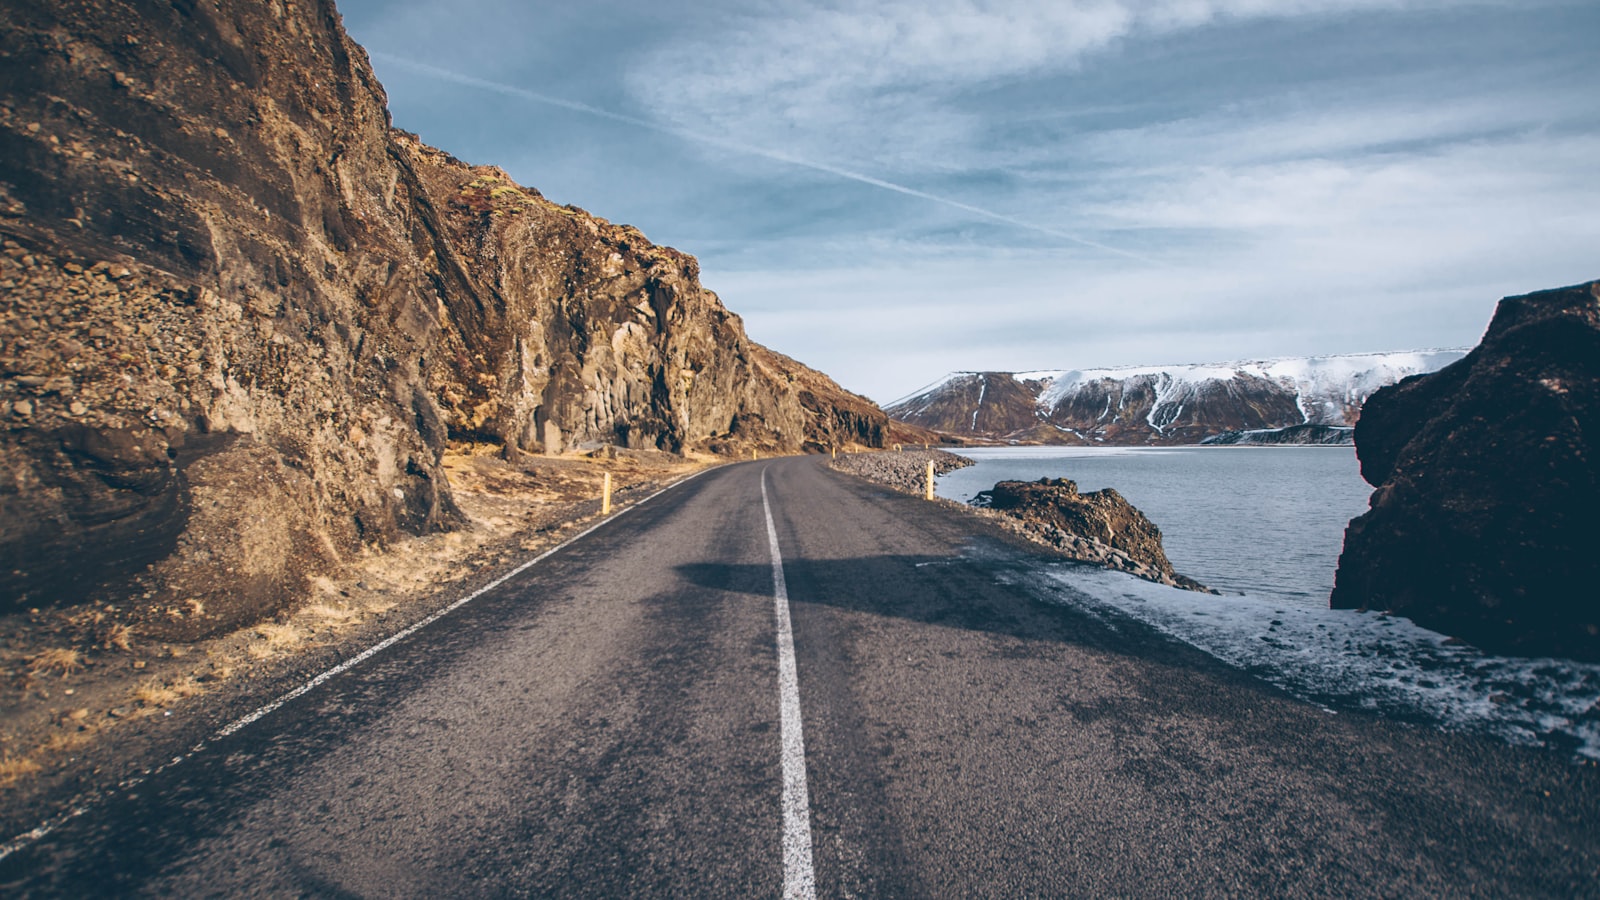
<point>737,147</point>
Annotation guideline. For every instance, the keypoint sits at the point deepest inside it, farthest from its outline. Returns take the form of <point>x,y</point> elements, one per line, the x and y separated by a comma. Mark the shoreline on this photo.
<point>905,470</point>
<point>1263,523</point>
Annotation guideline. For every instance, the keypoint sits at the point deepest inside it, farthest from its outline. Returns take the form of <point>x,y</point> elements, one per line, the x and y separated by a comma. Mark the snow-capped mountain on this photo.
<point>1161,404</point>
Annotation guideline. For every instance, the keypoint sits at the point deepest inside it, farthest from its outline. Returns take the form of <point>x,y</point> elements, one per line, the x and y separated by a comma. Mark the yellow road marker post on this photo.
<point>605,496</point>
<point>929,495</point>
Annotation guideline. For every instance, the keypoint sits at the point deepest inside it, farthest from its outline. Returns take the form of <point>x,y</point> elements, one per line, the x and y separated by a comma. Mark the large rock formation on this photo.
<point>1161,404</point>
<point>240,316</point>
<point>1483,521</point>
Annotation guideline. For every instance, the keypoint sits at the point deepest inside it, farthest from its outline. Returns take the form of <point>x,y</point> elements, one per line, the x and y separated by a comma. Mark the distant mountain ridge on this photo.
<point>1179,404</point>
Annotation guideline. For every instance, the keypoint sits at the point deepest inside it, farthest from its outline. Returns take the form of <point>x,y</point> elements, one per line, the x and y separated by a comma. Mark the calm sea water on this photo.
<point>1267,521</point>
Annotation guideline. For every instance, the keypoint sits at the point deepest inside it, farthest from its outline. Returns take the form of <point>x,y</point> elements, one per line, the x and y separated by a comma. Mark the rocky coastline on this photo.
<point>1099,527</point>
<point>906,470</point>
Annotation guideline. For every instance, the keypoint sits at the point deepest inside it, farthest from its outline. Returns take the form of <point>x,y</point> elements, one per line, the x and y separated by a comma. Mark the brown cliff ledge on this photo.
<point>1482,524</point>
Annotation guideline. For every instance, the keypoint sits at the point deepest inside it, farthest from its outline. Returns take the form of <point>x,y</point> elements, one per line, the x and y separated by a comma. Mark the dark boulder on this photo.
<point>1484,521</point>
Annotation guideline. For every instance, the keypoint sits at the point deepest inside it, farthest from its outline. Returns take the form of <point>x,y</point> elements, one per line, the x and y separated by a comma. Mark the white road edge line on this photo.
<point>28,837</point>
<point>799,881</point>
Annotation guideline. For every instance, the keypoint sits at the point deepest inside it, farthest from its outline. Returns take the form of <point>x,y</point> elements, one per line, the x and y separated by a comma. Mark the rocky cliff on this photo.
<point>242,316</point>
<point>1160,405</point>
<point>1482,524</point>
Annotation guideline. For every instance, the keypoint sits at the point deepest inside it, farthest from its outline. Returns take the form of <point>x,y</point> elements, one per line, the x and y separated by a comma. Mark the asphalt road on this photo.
<point>607,724</point>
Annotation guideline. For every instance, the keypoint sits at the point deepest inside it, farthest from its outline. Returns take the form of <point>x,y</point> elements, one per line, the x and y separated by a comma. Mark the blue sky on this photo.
<point>890,191</point>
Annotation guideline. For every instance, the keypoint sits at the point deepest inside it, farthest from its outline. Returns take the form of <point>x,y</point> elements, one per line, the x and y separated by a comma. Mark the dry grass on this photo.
<point>12,768</point>
<point>329,616</point>
<point>87,618</point>
<point>153,692</point>
<point>67,741</point>
<point>119,637</point>
<point>275,639</point>
<point>55,660</point>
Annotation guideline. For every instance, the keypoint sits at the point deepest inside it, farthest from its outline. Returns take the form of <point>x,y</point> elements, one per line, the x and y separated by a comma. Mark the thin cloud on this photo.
<point>881,78</point>
<point>747,149</point>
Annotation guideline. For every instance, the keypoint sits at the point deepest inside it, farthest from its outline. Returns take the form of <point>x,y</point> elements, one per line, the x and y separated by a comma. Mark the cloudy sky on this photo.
<point>888,191</point>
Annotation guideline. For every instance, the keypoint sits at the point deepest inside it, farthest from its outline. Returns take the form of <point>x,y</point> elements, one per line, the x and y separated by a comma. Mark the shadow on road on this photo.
<point>982,593</point>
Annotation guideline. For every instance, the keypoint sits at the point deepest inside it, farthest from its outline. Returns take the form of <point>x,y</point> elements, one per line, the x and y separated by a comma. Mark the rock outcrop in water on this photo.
<point>240,316</point>
<point>1483,521</point>
<point>1099,527</point>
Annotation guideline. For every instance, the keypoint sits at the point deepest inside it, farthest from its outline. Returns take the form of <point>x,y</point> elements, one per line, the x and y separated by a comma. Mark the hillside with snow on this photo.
<point>1161,404</point>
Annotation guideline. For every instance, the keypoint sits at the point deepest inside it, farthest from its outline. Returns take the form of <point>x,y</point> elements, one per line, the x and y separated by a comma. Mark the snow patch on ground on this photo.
<point>1344,658</point>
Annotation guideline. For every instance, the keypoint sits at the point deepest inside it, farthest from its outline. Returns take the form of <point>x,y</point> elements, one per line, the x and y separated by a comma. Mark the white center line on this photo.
<point>798,879</point>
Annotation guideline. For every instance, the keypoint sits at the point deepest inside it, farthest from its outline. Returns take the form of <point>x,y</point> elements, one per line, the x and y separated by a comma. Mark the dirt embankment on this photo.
<point>82,687</point>
<point>1099,527</point>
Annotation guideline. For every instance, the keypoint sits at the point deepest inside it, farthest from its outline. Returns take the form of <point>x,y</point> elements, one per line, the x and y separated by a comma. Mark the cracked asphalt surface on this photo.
<point>606,724</point>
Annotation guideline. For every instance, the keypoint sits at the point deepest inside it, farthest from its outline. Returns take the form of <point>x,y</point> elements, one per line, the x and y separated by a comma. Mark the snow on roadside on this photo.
<point>1369,661</point>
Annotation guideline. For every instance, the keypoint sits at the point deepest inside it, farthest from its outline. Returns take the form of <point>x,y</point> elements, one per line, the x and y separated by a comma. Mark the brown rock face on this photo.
<point>1483,521</point>
<point>1097,527</point>
<point>240,316</point>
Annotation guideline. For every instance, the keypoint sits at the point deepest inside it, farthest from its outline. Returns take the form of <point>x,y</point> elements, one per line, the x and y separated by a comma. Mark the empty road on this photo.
<point>623,719</point>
